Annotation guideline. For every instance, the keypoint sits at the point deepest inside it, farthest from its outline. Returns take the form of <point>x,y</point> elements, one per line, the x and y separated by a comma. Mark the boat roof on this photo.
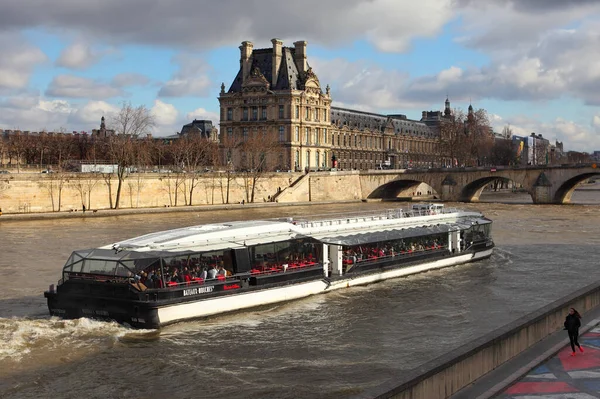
<point>333,229</point>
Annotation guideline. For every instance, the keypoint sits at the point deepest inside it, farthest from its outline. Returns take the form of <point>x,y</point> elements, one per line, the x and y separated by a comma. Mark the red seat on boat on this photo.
<point>172,284</point>
<point>220,277</point>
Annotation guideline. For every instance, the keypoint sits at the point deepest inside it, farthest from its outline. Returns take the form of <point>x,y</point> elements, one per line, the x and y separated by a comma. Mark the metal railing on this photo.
<point>359,217</point>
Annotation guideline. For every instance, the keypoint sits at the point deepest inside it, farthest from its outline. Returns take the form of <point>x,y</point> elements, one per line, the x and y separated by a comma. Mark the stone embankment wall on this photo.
<point>444,376</point>
<point>37,192</point>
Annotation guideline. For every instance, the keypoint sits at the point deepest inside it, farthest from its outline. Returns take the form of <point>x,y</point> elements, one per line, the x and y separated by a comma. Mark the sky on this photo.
<point>534,65</point>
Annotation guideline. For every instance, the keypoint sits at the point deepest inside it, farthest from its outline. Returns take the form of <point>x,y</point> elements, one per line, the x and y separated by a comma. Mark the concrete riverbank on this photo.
<point>159,210</point>
<point>506,354</point>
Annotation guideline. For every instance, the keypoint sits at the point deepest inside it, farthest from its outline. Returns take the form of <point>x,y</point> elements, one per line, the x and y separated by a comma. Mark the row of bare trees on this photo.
<point>131,149</point>
<point>466,139</point>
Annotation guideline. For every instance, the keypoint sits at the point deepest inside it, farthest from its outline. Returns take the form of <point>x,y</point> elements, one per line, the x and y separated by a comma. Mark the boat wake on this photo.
<point>26,337</point>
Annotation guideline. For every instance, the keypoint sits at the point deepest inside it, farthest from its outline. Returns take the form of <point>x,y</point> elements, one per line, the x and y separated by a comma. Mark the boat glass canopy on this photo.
<point>110,262</point>
<point>395,234</point>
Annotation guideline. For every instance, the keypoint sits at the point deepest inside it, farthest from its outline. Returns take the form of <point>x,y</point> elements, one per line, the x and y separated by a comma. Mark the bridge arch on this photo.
<point>564,193</point>
<point>472,191</point>
<point>396,188</point>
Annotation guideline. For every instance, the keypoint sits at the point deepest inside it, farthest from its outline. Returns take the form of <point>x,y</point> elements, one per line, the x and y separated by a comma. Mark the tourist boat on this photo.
<point>192,272</point>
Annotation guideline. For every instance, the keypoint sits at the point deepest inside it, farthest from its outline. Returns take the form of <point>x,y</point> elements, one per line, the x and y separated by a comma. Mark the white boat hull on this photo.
<point>233,302</point>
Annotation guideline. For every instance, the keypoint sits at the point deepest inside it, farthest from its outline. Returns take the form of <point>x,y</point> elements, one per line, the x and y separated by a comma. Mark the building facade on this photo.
<point>277,94</point>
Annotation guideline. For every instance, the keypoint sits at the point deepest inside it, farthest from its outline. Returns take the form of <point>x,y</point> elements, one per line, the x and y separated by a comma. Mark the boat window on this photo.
<point>97,266</point>
<point>391,248</point>
<point>143,264</point>
<point>478,232</point>
<point>178,269</point>
<point>279,253</point>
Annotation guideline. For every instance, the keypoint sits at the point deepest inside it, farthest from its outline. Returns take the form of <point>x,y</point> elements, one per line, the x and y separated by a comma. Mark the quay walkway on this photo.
<point>547,370</point>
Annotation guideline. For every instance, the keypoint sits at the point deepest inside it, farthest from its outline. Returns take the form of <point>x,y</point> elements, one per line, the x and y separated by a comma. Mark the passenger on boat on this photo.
<point>212,272</point>
<point>221,271</point>
<point>203,274</point>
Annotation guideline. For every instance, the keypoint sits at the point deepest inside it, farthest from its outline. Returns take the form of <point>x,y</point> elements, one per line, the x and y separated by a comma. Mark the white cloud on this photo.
<point>130,79</point>
<point>17,62</point>
<point>201,113</point>
<point>70,86</point>
<point>90,113</point>
<point>575,136</point>
<point>164,113</point>
<point>78,55</point>
<point>390,25</point>
<point>365,85</point>
<point>190,80</point>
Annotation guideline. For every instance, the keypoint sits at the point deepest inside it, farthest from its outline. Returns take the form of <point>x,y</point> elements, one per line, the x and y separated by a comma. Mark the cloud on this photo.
<point>389,25</point>
<point>363,84</point>
<point>190,80</point>
<point>507,26</point>
<point>164,113</point>
<point>575,136</point>
<point>33,112</point>
<point>78,55</point>
<point>564,63</point>
<point>17,62</point>
<point>130,79</point>
<point>596,123</point>
<point>91,112</point>
<point>70,86</point>
<point>201,113</point>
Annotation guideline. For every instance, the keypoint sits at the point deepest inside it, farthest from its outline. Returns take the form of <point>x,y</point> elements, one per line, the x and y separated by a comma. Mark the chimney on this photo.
<point>277,44</point>
<point>245,59</point>
<point>300,56</point>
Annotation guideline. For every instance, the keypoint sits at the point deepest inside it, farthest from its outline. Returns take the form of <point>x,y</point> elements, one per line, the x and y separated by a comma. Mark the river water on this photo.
<point>326,346</point>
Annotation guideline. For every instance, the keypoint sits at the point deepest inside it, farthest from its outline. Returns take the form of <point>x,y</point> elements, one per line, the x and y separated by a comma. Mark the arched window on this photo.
<point>317,160</point>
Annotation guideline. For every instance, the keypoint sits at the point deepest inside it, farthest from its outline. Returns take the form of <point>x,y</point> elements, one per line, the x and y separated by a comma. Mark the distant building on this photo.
<point>537,150</point>
<point>103,132</point>
<point>204,128</point>
<point>276,91</point>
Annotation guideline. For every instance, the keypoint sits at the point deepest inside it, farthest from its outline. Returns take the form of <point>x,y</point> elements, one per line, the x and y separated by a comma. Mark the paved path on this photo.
<point>563,376</point>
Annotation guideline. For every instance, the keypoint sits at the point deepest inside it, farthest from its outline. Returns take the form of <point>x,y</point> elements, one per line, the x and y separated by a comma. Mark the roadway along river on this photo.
<point>327,346</point>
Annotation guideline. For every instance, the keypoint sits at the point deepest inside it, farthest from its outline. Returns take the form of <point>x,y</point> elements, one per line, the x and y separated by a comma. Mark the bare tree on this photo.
<point>130,123</point>
<point>172,183</point>
<point>502,151</point>
<point>53,184</point>
<point>479,137</point>
<point>225,157</point>
<point>452,139</point>
<point>259,156</point>
<point>2,150</point>
<point>198,154</point>
<point>17,145</point>
<point>84,185</point>
<point>108,180</point>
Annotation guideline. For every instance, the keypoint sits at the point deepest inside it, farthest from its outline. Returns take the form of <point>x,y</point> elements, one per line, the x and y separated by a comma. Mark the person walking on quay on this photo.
<point>572,324</point>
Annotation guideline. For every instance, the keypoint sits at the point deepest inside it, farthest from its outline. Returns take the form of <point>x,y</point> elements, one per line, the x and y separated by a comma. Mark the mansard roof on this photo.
<point>362,120</point>
<point>288,77</point>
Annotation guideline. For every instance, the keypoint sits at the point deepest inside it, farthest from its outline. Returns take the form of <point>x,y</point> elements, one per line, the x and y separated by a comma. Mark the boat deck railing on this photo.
<point>360,217</point>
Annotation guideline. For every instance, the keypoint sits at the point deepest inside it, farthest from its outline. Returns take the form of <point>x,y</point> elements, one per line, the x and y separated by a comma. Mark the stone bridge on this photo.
<point>545,184</point>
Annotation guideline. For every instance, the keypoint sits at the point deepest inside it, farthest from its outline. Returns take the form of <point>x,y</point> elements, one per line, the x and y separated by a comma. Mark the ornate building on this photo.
<point>277,92</point>
<point>103,132</point>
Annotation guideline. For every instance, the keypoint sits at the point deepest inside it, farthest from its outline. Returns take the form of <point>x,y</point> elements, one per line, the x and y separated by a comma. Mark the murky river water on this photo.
<point>327,346</point>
